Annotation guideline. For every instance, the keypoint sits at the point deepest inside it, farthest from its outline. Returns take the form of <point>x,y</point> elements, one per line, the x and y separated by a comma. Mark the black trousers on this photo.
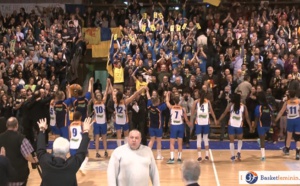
<point>141,125</point>
<point>187,134</point>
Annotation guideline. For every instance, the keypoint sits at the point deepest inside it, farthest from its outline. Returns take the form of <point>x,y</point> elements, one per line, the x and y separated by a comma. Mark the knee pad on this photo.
<point>297,137</point>
<point>205,139</point>
<point>199,141</point>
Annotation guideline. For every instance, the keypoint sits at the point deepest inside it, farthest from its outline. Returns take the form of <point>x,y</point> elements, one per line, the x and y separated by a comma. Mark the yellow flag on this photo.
<point>178,28</point>
<point>144,15</point>
<point>172,28</point>
<point>155,15</point>
<point>212,2</point>
<point>109,64</point>
<point>92,35</point>
<point>143,28</point>
<point>153,28</point>
<point>160,16</point>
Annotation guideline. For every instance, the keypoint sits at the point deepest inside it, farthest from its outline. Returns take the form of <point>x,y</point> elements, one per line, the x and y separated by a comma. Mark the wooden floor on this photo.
<point>226,172</point>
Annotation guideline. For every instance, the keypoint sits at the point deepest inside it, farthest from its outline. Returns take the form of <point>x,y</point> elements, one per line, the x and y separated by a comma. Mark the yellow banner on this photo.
<point>101,49</point>
<point>92,35</point>
<point>116,31</point>
<point>212,2</point>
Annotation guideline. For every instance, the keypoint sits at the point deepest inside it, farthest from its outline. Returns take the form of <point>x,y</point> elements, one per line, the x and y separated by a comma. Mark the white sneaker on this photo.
<point>159,158</point>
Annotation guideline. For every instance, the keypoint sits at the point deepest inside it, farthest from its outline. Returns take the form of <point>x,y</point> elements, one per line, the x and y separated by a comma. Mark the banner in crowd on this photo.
<point>92,35</point>
<point>6,8</point>
<point>212,2</point>
<point>116,31</point>
<point>99,39</point>
<point>100,50</point>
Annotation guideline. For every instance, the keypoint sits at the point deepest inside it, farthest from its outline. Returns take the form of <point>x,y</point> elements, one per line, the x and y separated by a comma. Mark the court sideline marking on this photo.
<point>214,167</point>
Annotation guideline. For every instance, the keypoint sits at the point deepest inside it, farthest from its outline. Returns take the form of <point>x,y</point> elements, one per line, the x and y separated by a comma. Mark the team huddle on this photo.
<point>70,125</point>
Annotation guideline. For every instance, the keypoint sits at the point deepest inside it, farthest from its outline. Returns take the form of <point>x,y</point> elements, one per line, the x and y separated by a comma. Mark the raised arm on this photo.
<point>91,82</point>
<point>147,93</point>
<point>133,74</point>
<point>168,100</point>
<point>131,98</point>
<point>106,90</point>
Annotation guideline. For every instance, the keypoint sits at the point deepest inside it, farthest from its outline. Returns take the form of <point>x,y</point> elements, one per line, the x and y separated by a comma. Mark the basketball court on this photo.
<point>218,171</point>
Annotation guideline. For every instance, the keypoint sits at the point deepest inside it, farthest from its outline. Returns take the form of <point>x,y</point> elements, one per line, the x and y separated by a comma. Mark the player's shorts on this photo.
<point>64,132</point>
<point>235,130</point>
<point>55,130</point>
<point>177,131</point>
<point>155,132</point>
<point>123,127</point>
<point>73,152</point>
<point>262,130</point>
<point>100,128</point>
<point>199,129</point>
<point>293,125</point>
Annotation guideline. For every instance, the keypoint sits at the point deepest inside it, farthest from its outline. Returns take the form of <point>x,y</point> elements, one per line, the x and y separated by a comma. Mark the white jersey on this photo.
<point>293,109</point>
<point>202,113</point>
<point>99,109</point>
<point>236,117</point>
<point>52,114</point>
<point>75,129</point>
<point>176,115</point>
<point>120,114</point>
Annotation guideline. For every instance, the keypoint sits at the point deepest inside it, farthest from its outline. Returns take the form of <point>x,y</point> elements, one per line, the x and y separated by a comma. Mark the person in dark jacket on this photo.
<point>57,169</point>
<point>18,151</point>
<point>139,116</point>
<point>190,172</point>
<point>5,168</point>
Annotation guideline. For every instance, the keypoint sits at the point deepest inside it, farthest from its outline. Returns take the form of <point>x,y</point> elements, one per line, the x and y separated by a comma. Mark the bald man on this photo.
<point>132,164</point>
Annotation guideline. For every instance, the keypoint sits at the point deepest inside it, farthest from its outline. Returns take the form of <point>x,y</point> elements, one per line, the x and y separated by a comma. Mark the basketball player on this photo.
<point>155,129</point>
<point>177,126</point>
<point>292,107</point>
<point>53,126</point>
<point>238,112</point>
<point>263,120</point>
<point>61,114</point>
<point>203,108</point>
<point>100,125</point>
<point>121,118</point>
<point>75,136</point>
<point>80,102</point>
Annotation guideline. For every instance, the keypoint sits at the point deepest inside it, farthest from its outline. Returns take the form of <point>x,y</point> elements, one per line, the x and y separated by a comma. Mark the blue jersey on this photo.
<point>80,104</point>
<point>155,114</point>
<point>61,112</point>
<point>264,115</point>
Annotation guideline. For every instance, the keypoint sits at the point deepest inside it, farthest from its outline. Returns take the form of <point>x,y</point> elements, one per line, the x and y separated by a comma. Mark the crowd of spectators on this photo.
<point>185,49</point>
